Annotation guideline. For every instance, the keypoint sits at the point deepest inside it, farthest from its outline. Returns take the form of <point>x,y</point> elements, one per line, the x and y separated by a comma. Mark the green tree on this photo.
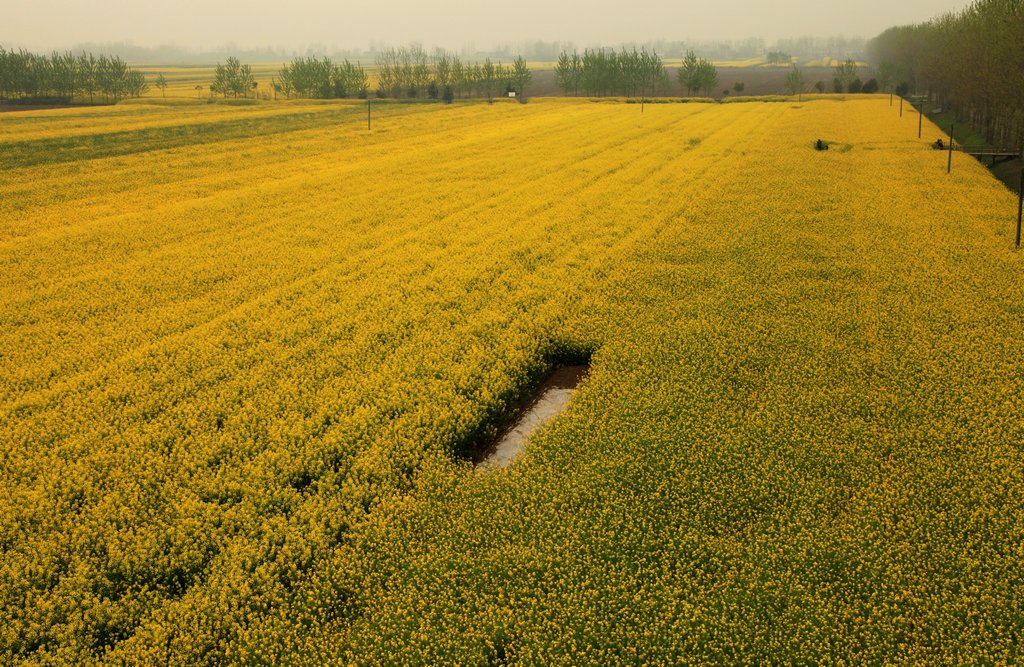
<point>652,75</point>
<point>135,84</point>
<point>708,77</point>
<point>87,75</point>
<point>421,71</point>
<point>697,74</point>
<point>563,72</point>
<point>689,73</point>
<point>521,76</point>
<point>161,83</point>
<point>246,81</point>
<point>845,73</point>
<point>577,73</point>
<point>795,82</point>
<point>458,81</point>
<point>488,79</point>
<point>387,73</point>
<point>888,74</point>
<point>232,78</point>
<point>442,69</point>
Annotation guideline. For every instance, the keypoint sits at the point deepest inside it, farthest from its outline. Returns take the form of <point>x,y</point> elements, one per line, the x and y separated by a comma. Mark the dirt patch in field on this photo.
<point>548,401</point>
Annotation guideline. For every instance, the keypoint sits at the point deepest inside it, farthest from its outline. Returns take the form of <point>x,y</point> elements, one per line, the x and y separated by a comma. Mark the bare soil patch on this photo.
<point>543,405</point>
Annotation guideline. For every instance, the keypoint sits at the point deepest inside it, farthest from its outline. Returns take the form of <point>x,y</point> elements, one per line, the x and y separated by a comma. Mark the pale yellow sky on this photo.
<point>450,23</point>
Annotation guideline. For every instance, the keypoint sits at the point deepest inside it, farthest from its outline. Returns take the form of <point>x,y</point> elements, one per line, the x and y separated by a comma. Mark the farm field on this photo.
<point>244,352</point>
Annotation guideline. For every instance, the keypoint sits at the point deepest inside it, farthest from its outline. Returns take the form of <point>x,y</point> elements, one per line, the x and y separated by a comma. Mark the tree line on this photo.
<point>600,73</point>
<point>411,72</point>
<point>322,78</point>
<point>629,73</point>
<point>970,61</point>
<point>65,77</point>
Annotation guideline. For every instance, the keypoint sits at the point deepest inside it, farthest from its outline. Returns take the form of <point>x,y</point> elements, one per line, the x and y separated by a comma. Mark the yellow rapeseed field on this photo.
<point>243,351</point>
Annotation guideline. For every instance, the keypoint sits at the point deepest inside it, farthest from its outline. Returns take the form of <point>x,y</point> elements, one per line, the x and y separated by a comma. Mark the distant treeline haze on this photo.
<point>806,47</point>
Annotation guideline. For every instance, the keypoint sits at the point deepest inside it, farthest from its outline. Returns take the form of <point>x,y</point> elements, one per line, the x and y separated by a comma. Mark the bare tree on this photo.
<point>846,73</point>
<point>795,82</point>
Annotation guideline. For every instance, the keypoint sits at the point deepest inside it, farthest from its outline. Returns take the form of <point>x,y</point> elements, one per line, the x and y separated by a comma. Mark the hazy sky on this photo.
<point>450,23</point>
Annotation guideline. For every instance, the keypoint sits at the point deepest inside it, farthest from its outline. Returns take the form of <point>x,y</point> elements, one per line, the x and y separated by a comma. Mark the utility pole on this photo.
<point>949,162</point>
<point>1020,198</point>
<point>920,119</point>
<point>901,106</point>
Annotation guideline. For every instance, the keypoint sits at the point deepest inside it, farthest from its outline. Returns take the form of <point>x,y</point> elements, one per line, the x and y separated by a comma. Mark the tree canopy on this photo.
<point>323,78</point>
<point>233,78</point>
<point>971,60</point>
<point>697,74</point>
<point>64,77</point>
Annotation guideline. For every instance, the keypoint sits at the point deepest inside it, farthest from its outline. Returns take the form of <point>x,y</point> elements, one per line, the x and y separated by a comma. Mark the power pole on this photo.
<point>920,119</point>
<point>901,107</point>
<point>1020,198</point>
<point>949,162</point>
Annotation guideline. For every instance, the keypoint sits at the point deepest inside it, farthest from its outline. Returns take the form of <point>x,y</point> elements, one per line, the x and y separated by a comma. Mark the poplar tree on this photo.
<point>521,76</point>
<point>563,72</point>
<point>689,73</point>
<point>795,81</point>
<point>489,77</point>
